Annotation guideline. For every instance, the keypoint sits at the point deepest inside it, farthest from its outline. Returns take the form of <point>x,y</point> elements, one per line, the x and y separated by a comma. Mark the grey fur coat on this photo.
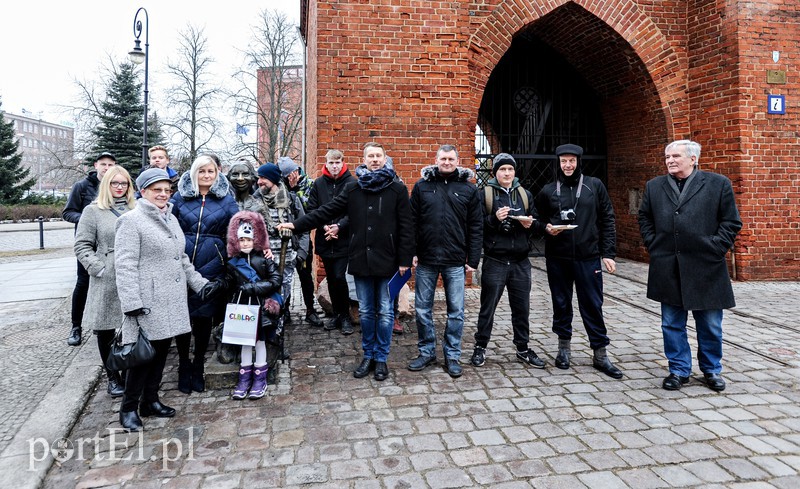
<point>94,247</point>
<point>153,271</point>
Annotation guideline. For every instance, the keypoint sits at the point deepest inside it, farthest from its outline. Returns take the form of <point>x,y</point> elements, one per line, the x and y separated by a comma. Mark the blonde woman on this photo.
<point>94,248</point>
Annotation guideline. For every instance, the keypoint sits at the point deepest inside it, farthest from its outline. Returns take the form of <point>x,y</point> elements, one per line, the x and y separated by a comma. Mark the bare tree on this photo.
<point>269,97</point>
<point>192,124</point>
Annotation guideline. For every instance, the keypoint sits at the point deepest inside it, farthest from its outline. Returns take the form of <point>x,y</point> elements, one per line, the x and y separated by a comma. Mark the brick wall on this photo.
<point>411,74</point>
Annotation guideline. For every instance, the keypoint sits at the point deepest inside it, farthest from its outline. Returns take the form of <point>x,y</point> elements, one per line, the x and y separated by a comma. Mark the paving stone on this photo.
<point>606,480</point>
<point>676,476</point>
<point>222,481</point>
<point>306,474</point>
<point>742,468</point>
<point>405,481</point>
<point>390,465</point>
<point>558,482</point>
<point>469,456</point>
<point>567,464</point>
<point>486,437</point>
<point>708,471</point>
<point>489,475</point>
<point>350,469</point>
<point>642,479</point>
<point>445,478</point>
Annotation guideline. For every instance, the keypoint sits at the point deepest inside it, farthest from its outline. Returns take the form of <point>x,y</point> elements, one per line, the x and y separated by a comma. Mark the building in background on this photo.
<point>279,113</point>
<point>621,78</point>
<point>47,150</point>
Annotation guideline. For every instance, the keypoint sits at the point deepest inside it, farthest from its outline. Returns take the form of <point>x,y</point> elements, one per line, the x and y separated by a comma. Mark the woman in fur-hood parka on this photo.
<point>260,242</point>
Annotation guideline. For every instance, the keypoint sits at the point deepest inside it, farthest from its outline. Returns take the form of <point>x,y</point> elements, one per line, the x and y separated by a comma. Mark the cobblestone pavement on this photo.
<point>502,425</point>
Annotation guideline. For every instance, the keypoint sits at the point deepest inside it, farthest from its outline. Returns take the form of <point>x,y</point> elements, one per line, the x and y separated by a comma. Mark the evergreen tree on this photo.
<point>14,179</point>
<point>120,129</point>
<point>155,133</point>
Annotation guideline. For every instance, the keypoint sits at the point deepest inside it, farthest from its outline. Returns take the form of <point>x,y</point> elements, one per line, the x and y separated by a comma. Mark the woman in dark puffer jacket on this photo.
<point>204,207</point>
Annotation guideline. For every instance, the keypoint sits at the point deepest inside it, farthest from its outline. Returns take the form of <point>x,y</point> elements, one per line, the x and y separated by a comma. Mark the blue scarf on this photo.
<point>374,181</point>
<point>243,266</point>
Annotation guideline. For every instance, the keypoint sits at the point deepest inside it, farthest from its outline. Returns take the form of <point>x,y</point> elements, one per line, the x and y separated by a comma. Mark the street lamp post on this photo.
<point>137,56</point>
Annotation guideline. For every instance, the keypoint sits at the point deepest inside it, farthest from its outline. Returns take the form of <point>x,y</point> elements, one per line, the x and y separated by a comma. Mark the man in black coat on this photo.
<point>81,195</point>
<point>381,244</point>
<point>688,221</point>
<point>573,256</point>
<point>332,239</point>
<point>448,220</point>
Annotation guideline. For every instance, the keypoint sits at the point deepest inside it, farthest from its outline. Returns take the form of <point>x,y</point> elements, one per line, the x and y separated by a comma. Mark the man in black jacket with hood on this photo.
<point>580,231</point>
<point>82,194</point>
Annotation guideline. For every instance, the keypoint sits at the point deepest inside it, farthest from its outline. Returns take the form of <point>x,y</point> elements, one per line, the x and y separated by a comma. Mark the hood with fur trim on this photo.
<point>462,174</point>
<point>260,238</point>
<point>219,189</point>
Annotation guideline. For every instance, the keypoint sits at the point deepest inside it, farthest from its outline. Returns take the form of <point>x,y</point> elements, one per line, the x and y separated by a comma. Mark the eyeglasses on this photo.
<point>160,190</point>
<point>119,184</point>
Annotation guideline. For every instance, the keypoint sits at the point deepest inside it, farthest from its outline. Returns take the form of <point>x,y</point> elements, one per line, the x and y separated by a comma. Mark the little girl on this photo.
<point>253,278</point>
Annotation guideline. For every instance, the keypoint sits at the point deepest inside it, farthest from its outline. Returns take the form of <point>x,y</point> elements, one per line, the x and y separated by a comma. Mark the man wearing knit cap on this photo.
<point>277,205</point>
<point>579,224</point>
<point>299,184</point>
<point>507,224</point>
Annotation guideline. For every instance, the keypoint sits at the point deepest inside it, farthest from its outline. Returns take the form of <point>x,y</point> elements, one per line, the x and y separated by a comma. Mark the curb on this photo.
<point>25,463</point>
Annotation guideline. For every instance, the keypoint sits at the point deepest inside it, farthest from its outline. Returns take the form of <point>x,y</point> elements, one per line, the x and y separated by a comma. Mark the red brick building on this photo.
<point>620,77</point>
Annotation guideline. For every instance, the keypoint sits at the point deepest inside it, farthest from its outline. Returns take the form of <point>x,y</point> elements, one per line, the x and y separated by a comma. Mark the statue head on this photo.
<point>242,176</point>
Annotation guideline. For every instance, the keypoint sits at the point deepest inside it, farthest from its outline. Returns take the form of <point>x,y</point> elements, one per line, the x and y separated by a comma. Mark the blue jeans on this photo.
<point>453,279</point>
<point>377,315</point>
<point>676,342</point>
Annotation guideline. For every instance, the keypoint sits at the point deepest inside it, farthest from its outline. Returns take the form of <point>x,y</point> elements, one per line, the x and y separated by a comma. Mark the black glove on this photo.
<point>137,312</point>
<point>248,289</point>
<point>211,290</point>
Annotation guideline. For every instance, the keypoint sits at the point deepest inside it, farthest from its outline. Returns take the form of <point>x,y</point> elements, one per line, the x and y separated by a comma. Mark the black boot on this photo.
<point>116,387</point>
<point>185,376</point>
<point>75,336</point>
<point>198,382</point>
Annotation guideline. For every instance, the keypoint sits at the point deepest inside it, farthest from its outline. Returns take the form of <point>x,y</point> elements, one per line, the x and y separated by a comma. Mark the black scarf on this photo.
<point>374,181</point>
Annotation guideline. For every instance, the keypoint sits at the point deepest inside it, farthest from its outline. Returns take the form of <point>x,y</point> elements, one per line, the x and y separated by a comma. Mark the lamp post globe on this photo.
<point>138,56</point>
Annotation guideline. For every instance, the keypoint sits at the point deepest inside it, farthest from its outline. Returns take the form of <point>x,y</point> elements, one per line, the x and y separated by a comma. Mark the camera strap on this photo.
<point>577,194</point>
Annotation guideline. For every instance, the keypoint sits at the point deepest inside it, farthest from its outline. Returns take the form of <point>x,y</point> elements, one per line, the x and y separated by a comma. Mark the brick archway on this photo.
<point>626,59</point>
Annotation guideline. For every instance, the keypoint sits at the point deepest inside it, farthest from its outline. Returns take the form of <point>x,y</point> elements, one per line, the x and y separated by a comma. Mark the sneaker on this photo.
<point>530,357</point>
<point>347,325</point>
<point>397,328</point>
<point>313,319</point>
<point>478,357</point>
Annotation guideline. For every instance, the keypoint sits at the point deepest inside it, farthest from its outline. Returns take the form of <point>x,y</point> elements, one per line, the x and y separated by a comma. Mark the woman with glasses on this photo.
<point>204,207</point>
<point>153,274</point>
<point>94,248</point>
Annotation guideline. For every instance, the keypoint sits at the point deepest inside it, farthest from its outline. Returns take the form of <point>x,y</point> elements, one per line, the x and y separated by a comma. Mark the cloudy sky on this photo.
<point>47,44</point>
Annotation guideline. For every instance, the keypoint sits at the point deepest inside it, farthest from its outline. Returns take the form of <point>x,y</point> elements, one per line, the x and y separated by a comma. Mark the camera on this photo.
<point>568,215</point>
<point>506,225</point>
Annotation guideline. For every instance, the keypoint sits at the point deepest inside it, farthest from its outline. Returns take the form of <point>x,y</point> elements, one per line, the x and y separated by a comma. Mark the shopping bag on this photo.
<point>241,324</point>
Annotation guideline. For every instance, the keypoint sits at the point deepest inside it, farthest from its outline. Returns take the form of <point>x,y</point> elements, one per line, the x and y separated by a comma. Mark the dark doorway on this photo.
<point>534,101</point>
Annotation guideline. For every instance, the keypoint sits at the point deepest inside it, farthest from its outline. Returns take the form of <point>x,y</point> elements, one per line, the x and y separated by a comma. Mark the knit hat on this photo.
<point>569,149</point>
<point>245,231</point>
<point>501,159</point>
<point>271,172</point>
<point>151,176</point>
<point>286,165</point>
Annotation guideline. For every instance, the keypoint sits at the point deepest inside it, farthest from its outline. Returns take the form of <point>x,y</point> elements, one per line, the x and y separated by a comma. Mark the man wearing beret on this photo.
<point>573,256</point>
<point>278,205</point>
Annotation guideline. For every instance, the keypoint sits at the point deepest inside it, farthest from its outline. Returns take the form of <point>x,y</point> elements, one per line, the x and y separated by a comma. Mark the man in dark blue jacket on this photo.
<point>332,239</point>
<point>573,256</point>
<point>448,220</point>
<point>82,194</point>
<point>381,244</point>
<point>507,226</point>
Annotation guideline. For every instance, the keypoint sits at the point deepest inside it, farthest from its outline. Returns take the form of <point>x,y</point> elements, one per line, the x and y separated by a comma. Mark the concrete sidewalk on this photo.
<point>502,425</point>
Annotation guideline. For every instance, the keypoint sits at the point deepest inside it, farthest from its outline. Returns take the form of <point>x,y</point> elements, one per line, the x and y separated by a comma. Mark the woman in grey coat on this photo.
<point>152,277</point>
<point>94,248</point>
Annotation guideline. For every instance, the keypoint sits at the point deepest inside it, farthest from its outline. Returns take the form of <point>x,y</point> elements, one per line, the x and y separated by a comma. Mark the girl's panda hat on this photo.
<point>250,225</point>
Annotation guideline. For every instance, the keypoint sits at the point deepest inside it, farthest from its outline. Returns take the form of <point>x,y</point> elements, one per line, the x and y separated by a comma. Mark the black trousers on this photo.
<point>104,339</point>
<point>587,276</point>
<point>201,330</point>
<point>142,383</point>
<point>497,275</point>
<point>306,280</point>
<point>79,296</point>
<point>335,272</point>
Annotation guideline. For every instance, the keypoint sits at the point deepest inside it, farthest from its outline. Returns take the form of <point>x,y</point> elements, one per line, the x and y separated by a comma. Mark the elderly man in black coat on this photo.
<point>688,221</point>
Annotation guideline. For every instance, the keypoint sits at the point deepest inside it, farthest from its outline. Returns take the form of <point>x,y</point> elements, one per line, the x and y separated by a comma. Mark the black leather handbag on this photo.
<point>124,357</point>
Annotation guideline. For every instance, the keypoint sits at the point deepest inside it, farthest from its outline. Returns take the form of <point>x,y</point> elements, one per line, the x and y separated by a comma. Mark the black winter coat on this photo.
<point>688,239</point>
<point>81,195</point>
<point>596,234</point>
<point>204,221</point>
<point>268,283</point>
<point>514,244</point>
<point>324,190</point>
<point>381,229</point>
<point>448,218</point>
